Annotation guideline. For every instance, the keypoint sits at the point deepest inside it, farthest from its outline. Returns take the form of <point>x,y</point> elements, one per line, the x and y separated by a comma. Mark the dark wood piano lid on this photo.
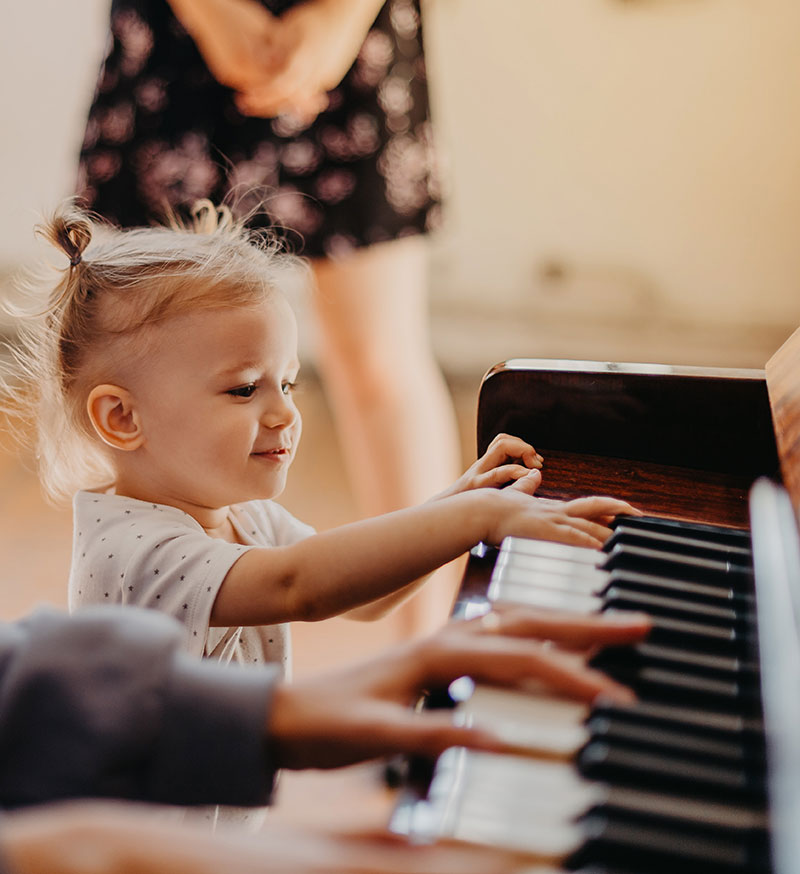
<point>783,386</point>
<point>678,441</point>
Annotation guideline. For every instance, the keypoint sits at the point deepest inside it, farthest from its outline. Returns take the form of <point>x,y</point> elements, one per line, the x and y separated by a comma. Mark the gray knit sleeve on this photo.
<point>104,704</point>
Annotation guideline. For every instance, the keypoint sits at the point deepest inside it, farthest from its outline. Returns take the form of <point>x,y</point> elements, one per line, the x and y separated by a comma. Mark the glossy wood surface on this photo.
<point>783,379</point>
<point>680,442</point>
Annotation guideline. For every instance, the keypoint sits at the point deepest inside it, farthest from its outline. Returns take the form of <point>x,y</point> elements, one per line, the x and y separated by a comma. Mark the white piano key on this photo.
<point>486,798</point>
<point>546,727</point>
<point>579,584</point>
<point>500,591</point>
<point>533,564</point>
<point>527,546</point>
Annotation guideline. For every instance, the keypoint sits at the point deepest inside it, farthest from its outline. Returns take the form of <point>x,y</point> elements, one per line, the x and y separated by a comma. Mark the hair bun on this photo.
<point>70,230</point>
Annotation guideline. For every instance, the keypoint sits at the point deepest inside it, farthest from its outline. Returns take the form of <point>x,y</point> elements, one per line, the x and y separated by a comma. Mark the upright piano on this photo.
<point>702,773</point>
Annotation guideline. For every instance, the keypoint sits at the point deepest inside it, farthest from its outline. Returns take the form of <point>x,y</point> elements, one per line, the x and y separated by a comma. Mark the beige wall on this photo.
<point>624,174</point>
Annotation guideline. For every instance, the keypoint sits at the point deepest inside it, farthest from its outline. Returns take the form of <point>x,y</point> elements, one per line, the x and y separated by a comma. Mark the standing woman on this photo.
<point>316,111</point>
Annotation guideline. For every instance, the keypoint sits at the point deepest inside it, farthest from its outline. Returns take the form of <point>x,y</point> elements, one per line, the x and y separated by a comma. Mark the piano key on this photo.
<point>620,597</point>
<point>710,722</point>
<point>618,763</point>
<point>657,737</point>
<point>655,684</point>
<point>544,810</point>
<point>621,659</point>
<point>596,580</point>
<point>699,530</point>
<point>551,549</point>
<point>549,728</point>
<point>691,591</point>
<point>540,560</point>
<point>693,662</point>
<point>555,727</point>
<point>665,629</point>
<point>660,849</point>
<point>638,558</point>
<point>683,544</point>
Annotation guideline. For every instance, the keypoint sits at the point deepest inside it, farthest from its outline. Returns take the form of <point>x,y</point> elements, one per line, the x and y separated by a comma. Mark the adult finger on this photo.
<point>566,629</point>
<point>508,661</point>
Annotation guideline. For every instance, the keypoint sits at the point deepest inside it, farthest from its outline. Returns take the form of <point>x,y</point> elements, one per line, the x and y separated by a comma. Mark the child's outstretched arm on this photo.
<point>337,570</point>
<point>507,459</point>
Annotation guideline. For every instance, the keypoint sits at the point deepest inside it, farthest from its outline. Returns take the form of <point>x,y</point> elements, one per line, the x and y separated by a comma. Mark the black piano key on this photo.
<point>622,658</point>
<point>700,530</point>
<point>659,738</point>
<point>699,636</point>
<point>639,805</point>
<point>691,591</point>
<point>681,544</point>
<point>725,726</point>
<point>622,765</point>
<point>636,558</point>
<point>672,687</point>
<point>608,840</point>
<point>647,728</point>
<point>617,597</point>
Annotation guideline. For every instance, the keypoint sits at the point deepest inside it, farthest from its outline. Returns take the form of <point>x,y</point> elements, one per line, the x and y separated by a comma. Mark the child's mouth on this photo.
<point>278,454</point>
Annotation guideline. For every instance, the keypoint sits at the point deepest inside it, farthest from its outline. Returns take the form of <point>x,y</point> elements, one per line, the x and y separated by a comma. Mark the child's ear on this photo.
<point>114,418</point>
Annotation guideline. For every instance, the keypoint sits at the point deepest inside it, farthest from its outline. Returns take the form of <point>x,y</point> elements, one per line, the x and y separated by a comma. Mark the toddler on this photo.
<point>160,377</point>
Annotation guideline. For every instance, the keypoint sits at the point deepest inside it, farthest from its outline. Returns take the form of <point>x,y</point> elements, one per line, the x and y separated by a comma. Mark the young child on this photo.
<point>160,376</point>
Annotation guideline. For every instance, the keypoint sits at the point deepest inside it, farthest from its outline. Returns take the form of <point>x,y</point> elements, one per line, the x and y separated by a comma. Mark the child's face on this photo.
<point>215,403</point>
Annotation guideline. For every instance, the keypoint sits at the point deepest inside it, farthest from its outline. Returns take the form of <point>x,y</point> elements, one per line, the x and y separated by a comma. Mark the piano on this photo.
<point>702,773</point>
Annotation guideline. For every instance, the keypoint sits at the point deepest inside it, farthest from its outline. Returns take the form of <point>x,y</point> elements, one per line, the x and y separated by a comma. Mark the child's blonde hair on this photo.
<point>117,283</point>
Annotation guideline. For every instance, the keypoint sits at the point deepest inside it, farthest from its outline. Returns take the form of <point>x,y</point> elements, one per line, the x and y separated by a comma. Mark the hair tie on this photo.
<point>75,260</point>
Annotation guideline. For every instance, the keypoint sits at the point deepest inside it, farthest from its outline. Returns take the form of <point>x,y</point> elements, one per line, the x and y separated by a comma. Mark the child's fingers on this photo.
<point>505,473</point>
<point>526,482</point>
<point>598,507</point>
<point>564,532</point>
<point>589,526</point>
<point>505,447</point>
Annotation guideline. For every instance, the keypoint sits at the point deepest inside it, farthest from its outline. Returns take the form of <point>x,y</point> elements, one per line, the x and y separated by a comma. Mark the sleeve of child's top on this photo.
<point>103,704</point>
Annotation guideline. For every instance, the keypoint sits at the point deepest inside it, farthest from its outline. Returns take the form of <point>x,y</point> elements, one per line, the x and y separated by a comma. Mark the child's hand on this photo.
<point>581,522</point>
<point>507,460</point>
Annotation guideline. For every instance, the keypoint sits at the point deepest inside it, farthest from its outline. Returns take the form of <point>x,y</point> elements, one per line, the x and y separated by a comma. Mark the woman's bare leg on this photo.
<point>393,411</point>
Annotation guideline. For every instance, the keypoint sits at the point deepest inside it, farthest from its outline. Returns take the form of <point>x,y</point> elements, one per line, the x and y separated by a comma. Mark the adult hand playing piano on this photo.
<point>117,838</point>
<point>366,711</point>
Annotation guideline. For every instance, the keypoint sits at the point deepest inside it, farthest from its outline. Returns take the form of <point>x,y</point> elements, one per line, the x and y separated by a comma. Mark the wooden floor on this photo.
<point>35,545</point>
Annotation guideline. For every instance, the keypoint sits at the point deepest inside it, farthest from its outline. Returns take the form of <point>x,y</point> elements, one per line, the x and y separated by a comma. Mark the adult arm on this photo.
<point>85,838</point>
<point>104,704</point>
<point>278,64</point>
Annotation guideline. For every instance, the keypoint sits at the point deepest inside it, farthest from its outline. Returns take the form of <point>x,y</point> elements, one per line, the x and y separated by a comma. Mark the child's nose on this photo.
<point>280,413</point>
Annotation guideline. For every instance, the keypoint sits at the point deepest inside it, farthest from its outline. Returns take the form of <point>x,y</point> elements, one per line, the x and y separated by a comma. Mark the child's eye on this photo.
<point>288,387</point>
<point>243,391</point>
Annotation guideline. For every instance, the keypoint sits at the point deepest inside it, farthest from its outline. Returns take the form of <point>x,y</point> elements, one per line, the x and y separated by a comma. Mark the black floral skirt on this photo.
<point>162,133</point>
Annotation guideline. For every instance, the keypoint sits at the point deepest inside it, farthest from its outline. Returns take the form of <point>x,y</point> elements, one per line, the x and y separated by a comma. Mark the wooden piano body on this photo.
<point>685,443</point>
<point>676,441</point>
